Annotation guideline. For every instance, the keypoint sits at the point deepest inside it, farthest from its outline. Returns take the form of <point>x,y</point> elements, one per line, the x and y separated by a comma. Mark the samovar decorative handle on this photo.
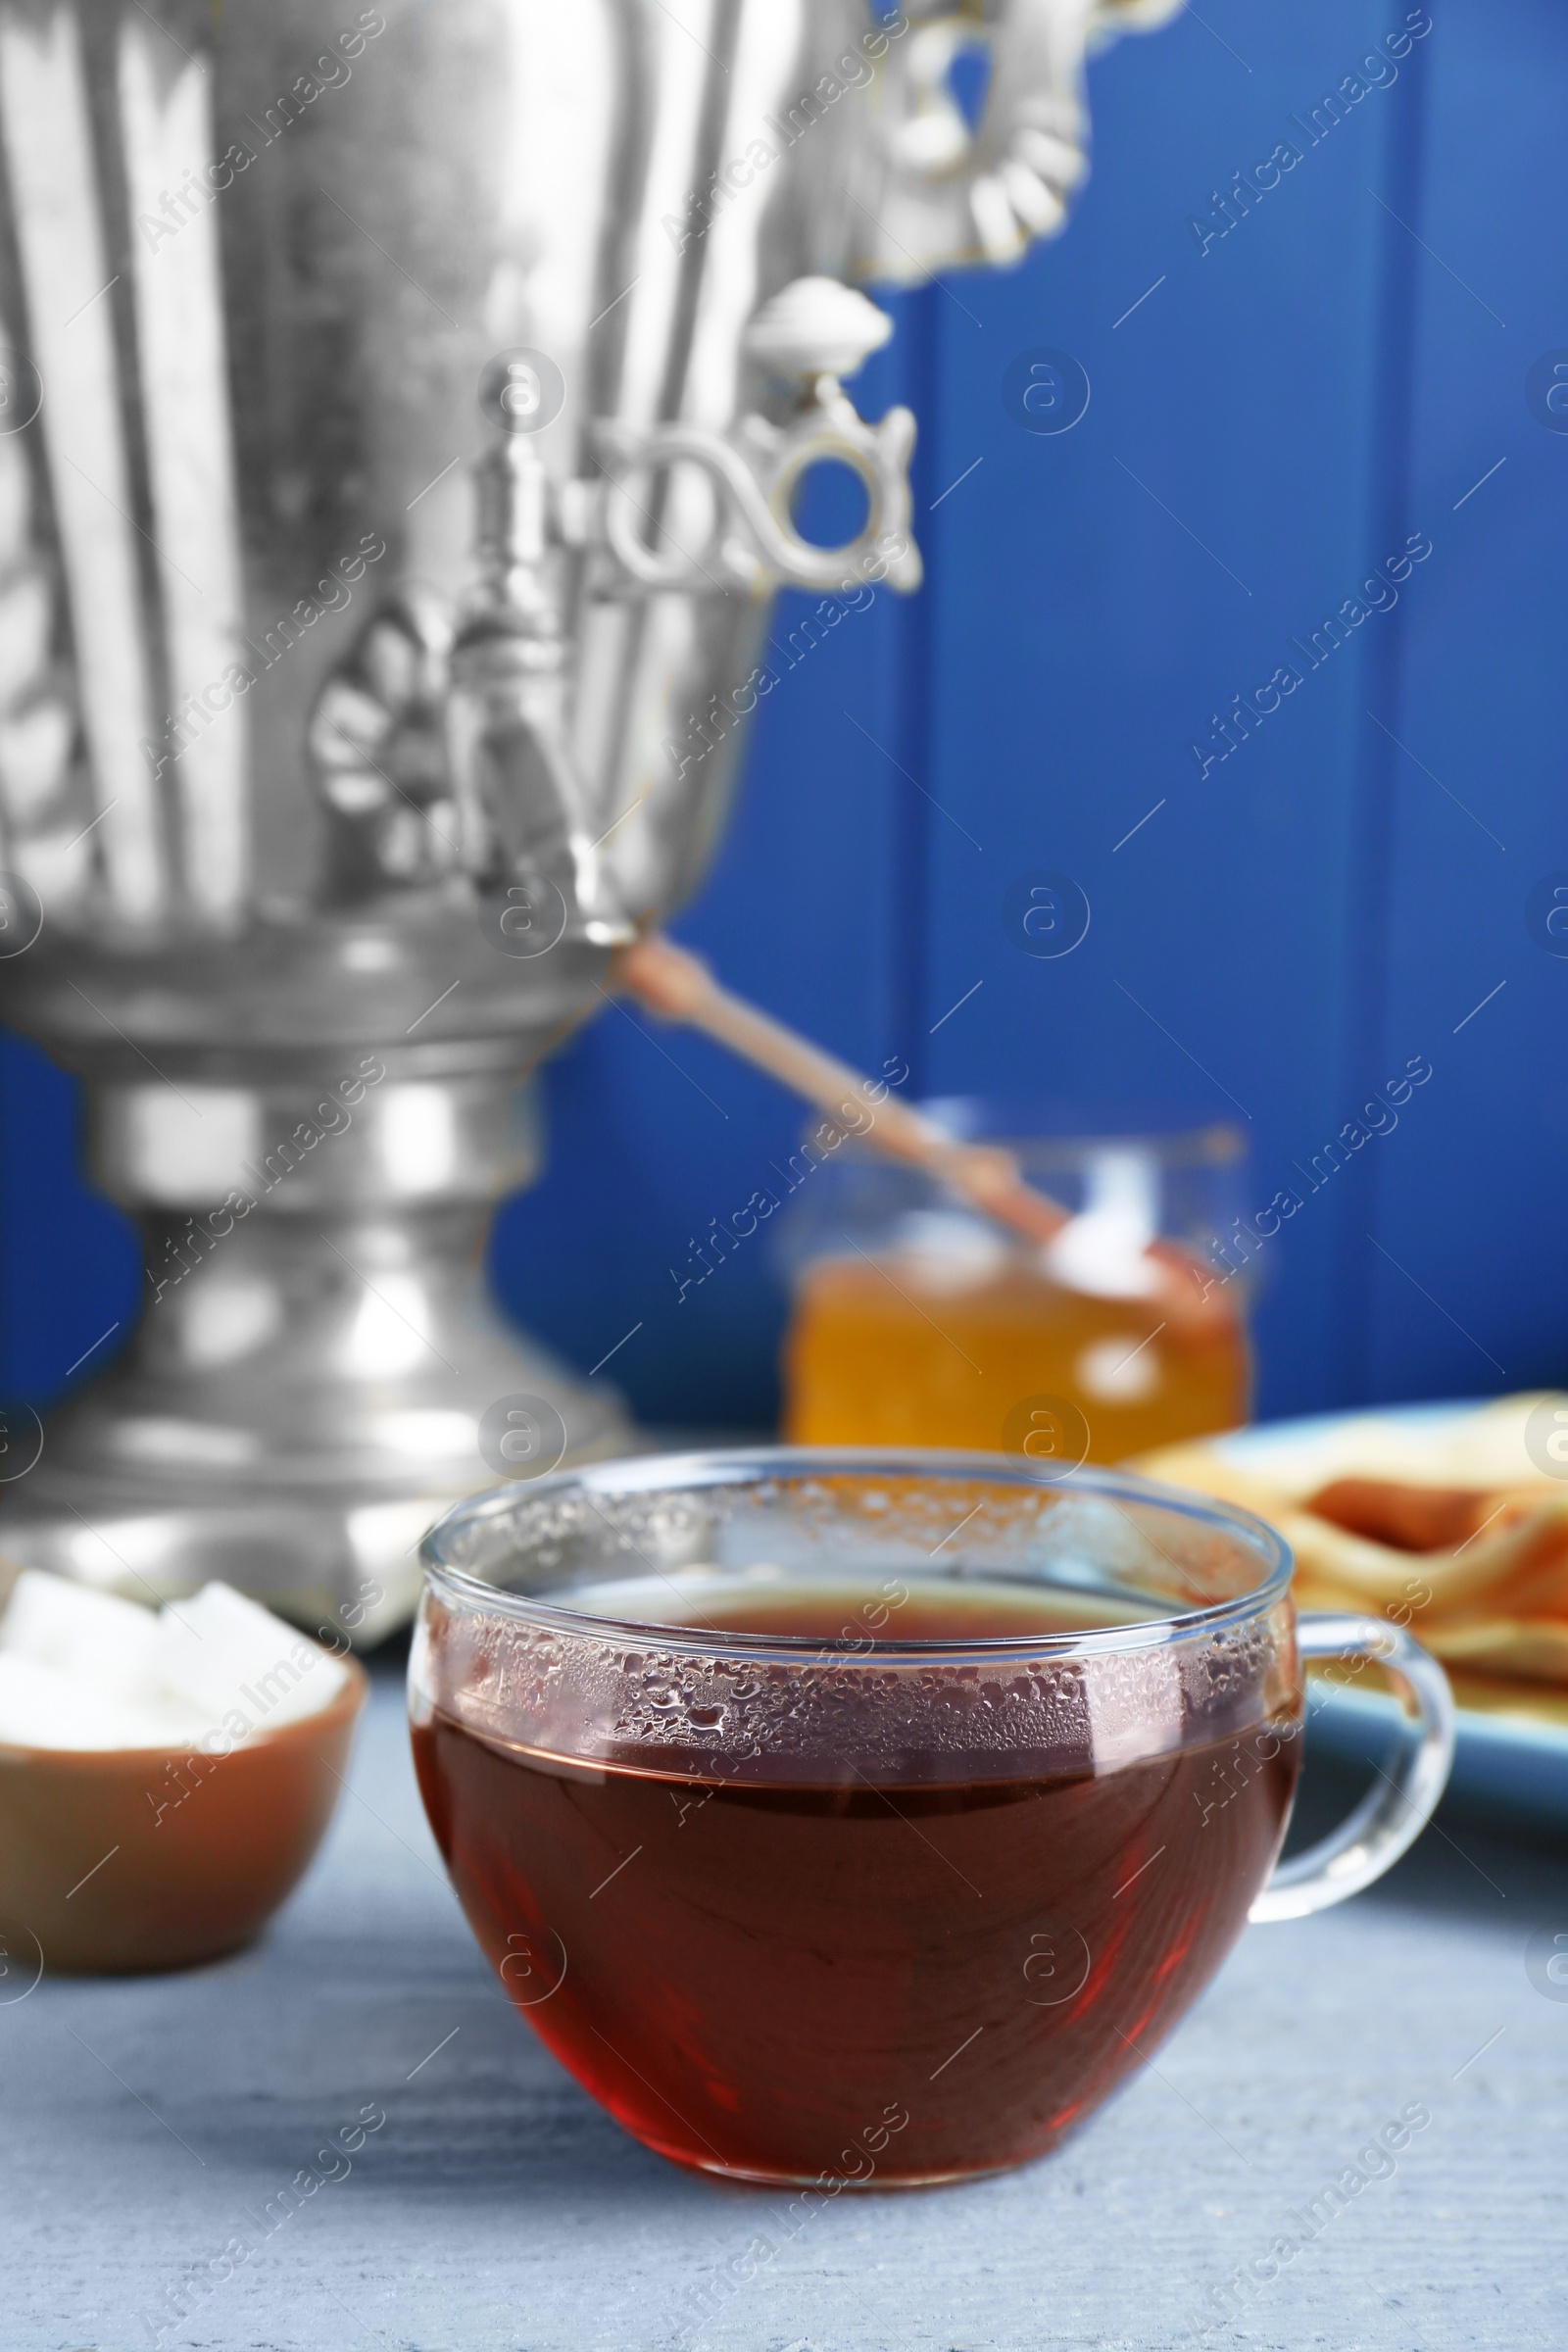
<point>951,191</point>
<point>812,334</point>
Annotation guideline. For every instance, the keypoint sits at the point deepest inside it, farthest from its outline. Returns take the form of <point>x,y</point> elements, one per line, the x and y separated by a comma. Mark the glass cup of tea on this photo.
<point>867,1817</point>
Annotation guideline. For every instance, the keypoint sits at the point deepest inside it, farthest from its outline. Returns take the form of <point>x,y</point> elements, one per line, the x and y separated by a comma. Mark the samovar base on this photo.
<point>330,1541</point>
<point>318,1372</point>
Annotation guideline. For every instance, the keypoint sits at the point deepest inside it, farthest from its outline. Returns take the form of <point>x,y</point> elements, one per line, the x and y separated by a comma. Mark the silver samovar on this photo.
<point>400,409</point>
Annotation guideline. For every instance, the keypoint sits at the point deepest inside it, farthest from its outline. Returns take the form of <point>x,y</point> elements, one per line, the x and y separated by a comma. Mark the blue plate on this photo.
<point>1512,1753</point>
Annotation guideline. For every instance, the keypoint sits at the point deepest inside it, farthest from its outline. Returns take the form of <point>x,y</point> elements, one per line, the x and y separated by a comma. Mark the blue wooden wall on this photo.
<point>1274,413</point>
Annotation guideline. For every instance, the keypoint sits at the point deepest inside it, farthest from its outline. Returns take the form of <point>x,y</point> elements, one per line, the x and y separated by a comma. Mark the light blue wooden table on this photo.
<point>148,2125</point>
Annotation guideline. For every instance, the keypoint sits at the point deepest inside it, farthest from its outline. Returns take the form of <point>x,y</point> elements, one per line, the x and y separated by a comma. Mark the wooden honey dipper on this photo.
<point>678,986</point>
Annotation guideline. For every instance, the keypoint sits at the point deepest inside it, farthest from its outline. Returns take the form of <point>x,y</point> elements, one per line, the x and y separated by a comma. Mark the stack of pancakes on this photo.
<point>1446,1523</point>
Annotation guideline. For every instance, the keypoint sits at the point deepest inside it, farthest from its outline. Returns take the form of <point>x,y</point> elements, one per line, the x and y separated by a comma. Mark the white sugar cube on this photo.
<point>227,1656</point>
<point>88,1636</point>
<point>81,1669</point>
<point>42,1707</point>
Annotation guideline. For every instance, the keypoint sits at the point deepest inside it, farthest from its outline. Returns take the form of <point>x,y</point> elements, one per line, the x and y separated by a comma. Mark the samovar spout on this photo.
<point>521,804</point>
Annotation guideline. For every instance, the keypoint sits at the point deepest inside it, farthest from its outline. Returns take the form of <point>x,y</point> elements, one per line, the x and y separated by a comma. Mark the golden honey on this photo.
<point>915,1347</point>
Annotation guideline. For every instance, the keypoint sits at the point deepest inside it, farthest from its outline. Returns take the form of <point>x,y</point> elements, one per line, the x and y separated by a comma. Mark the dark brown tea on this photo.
<point>868,1978</point>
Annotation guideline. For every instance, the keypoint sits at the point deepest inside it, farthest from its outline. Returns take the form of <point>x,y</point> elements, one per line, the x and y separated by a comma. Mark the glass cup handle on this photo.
<point>1402,1801</point>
